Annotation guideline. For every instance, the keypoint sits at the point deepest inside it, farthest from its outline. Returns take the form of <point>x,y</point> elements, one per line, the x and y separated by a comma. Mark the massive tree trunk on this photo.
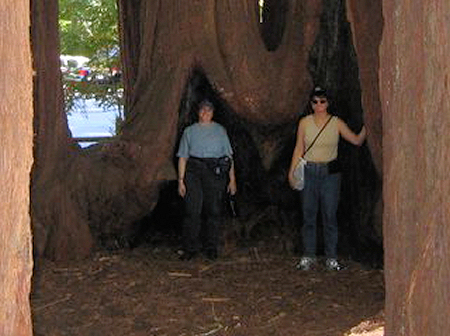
<point>415,72</point>
<point>59,222</point>
<point>176,53</point>
<point>16,138</point>
<point>366,21</point>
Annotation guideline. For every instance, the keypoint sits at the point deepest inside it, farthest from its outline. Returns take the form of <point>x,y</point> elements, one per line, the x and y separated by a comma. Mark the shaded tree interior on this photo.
<point>273,22</point>
<point>268,209</point>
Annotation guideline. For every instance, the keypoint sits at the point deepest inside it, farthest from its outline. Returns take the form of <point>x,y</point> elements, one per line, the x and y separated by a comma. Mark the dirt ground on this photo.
<point>148,291</point>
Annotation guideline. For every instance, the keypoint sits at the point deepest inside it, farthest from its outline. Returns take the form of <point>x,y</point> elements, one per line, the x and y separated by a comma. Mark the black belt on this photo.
<point>317,163</point>
<point>205,159</point>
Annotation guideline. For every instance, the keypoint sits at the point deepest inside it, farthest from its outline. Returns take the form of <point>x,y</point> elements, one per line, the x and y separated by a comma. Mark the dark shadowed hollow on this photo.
<point>86,206</point>
<point>124,211</point>
<point>267,206</point>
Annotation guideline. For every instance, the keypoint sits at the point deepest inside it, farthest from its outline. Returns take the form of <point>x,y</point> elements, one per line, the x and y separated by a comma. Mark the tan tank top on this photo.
<point>325,149</point>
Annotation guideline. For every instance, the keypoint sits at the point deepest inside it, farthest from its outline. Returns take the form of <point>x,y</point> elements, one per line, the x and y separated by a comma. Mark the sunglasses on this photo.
<point>321,101</point>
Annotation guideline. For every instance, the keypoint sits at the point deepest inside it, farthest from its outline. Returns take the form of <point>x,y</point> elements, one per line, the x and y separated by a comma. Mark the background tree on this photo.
<point>90,28</point>
<point>175,54</point>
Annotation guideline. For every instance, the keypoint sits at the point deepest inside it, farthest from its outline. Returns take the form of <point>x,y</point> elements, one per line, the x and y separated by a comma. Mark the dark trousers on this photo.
<point>321,189</point>
<point>204,199</point>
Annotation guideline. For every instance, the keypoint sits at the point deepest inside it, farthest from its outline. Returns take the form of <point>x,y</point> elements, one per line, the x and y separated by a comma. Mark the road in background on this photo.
<point>88,120</point>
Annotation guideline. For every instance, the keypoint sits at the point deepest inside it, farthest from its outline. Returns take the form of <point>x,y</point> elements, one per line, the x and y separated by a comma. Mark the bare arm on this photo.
<point>298,151</point>
<point>232,187</point>
<point>181,172</point>
<point>347,133</point>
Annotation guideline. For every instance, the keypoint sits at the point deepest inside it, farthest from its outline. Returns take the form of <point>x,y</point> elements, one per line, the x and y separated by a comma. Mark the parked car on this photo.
<point>99,78</point>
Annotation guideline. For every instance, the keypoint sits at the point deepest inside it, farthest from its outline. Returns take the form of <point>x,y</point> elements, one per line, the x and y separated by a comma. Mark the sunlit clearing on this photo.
<point>261,7</point>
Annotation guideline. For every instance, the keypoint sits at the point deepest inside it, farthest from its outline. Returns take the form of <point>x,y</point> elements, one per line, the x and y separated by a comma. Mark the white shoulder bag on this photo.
<point>299,174</point>
<point>299,170</point>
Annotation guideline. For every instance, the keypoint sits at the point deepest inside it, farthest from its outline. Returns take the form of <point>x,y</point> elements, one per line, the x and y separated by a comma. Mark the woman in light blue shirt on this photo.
<point>205,168</point>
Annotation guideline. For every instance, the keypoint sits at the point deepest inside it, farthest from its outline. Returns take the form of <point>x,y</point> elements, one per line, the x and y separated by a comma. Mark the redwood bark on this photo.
<point>95,196</point>
<point>415,71</point>
<point>59,225</point>
<point>16,137</point>
<point>265,89</point>
<point>366,19</point>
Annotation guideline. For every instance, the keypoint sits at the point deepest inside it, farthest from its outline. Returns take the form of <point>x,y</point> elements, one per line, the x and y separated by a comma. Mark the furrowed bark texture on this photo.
<point>79,197</point>
<point>415,71</point>
<point>16,138</point>
<point>59,226</point>
<point>366,19</point>
<point>264,90</point>
<point>176,53</point>
<point>98,192</point>
<point>334,64</point>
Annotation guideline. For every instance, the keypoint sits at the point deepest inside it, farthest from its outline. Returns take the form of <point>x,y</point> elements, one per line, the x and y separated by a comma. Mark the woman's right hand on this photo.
<point>181,188</point>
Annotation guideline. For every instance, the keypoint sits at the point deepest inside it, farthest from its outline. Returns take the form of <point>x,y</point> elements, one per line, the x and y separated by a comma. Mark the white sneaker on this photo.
<point>306,263</point>
<point>333,265</point>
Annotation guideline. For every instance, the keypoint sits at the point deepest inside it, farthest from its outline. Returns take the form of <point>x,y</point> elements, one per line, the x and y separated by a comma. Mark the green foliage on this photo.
<point>90,28</point>
<point>108,95</point>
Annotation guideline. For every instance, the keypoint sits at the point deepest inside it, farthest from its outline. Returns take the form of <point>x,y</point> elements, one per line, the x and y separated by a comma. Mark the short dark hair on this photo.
<point>205,103</point>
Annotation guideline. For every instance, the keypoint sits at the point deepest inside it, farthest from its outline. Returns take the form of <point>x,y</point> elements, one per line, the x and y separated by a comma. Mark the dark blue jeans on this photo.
<point>321,190</point>
<point>204,199</point>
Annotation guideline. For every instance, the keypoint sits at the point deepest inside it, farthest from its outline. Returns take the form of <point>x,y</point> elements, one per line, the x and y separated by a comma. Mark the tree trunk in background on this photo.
<point>366,19</point>
<point>175,54</point>
<point>415,72</point>
<point>259,93</point>
<point>60,225</point>
<point>334,64</point>
<point>16,138</point>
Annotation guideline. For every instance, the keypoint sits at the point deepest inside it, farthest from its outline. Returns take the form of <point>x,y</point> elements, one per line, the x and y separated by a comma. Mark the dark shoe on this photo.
<point>188,256</point>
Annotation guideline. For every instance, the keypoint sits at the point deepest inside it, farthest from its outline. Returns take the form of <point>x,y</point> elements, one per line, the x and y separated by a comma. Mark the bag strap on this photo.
<point>320,132</point>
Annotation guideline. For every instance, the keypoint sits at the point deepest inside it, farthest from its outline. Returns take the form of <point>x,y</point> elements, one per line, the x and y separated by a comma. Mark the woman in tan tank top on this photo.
<point>322,185</point>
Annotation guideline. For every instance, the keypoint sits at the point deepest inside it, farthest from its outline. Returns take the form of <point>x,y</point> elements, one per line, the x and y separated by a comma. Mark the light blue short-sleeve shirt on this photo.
<point>205,141</point>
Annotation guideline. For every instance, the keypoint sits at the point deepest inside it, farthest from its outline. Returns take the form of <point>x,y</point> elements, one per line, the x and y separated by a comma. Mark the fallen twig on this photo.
<point>215,299</point>
<point>205,268</point>
<point>180,274</point>
<point>212,332</point>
